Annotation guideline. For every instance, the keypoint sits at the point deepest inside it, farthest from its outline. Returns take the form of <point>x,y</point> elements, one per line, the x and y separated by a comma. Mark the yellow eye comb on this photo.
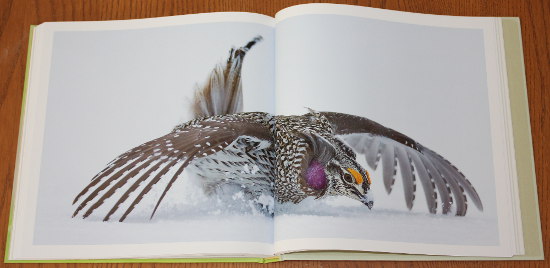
<point>356,175</point>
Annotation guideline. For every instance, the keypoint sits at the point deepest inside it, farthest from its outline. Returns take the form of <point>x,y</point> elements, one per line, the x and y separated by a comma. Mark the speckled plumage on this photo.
<point>294,154</point>
<point>280,162</point>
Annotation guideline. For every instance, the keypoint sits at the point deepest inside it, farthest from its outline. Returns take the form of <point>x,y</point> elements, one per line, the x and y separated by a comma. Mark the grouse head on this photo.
<point>331,169</point>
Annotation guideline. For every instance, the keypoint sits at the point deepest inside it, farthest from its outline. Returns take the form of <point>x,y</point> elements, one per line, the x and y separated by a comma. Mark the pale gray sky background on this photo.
<point>110,91</point>
<point>426,82</point>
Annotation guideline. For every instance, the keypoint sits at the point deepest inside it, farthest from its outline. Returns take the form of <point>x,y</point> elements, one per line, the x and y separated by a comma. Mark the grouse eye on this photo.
<point>348,178</point>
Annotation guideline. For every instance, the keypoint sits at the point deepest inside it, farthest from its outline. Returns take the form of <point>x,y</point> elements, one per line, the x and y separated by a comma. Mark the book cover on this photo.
<point>304,210</point>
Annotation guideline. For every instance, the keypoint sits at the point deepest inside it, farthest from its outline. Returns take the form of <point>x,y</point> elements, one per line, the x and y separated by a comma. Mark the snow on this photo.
<point>341,218</point>
<point>388,220</point>
<point>186,214</point>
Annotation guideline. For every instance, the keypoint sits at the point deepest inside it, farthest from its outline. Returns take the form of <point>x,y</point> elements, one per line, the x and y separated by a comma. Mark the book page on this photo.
<point>99,89</point>
<point>435,79</point>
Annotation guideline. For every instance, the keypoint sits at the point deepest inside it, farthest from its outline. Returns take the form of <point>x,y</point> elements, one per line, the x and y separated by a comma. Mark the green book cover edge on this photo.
<point>22,116</point>
<point>525,168</point>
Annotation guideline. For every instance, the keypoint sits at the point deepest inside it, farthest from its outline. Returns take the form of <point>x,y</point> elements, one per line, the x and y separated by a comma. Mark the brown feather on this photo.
<point>222,92</point>
<point>197,139</point>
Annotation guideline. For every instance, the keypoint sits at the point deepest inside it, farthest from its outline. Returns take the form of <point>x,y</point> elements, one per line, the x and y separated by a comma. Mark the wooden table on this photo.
<point>16,17</point>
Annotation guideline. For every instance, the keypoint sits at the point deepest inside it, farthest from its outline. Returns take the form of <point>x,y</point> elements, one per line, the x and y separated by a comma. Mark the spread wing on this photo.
<point>382,144</point>
<point>163,158</point>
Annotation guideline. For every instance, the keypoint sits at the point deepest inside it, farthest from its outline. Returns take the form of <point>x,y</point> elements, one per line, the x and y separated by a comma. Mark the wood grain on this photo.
<point>17,16</point>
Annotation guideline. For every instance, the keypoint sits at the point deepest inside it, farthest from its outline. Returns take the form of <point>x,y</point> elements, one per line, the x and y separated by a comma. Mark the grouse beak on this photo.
<point>369,204</point>
<point>367,201</point>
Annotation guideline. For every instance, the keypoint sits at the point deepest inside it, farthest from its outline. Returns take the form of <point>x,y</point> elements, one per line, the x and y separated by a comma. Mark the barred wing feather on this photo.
<point>148,163</point>
<point>383,145</point>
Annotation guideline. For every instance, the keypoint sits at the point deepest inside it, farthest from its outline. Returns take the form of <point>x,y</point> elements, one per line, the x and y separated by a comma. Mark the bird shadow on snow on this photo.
<point>345,207</point>
<point>187,201</point>
<point>195,205</point>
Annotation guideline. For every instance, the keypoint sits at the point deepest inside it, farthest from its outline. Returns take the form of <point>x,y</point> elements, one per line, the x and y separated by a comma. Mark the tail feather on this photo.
<point>222,92</point>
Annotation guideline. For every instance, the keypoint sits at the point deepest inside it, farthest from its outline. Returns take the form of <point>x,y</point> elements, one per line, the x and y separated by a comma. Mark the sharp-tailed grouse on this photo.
<point>292,157</point>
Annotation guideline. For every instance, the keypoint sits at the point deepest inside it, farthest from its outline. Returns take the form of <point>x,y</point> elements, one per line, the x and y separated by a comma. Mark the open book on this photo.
<point>328,131</point>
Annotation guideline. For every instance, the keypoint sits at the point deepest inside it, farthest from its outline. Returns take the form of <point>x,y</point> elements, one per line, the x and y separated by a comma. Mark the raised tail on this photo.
<point>222,92</point>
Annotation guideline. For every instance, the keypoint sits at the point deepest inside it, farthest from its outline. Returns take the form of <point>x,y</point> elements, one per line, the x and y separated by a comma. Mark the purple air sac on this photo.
<point>315,176</point>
